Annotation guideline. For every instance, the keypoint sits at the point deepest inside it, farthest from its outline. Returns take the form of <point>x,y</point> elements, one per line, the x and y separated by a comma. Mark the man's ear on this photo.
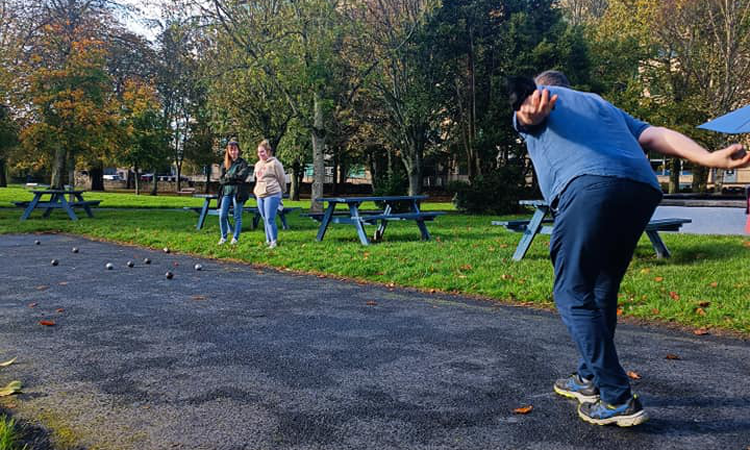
<point>518,89</point>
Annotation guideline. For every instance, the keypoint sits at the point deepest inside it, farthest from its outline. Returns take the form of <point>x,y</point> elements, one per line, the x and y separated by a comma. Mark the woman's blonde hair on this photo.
<point>227,158</point>
<point>267,146</point>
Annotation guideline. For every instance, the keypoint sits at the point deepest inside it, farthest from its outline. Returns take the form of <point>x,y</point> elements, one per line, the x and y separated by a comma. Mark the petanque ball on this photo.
<point>55,262</point>
<point>37,242</point>
<point>75,249</point>
<point>146,261</point>
<point>110,266</point>
<point>198,267</point>
<point>166,249</point>
<point>169,275</point>
<point>130,264</point>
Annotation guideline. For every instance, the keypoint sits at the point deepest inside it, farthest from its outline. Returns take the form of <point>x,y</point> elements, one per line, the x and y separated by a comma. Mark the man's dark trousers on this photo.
<point>598,222</point>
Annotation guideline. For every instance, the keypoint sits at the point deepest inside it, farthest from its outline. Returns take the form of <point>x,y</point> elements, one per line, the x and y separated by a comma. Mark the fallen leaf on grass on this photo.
<point>9,362</point>
<point>672,356</point>
<point>714,284</point>
<point>619,311</point>
<point>704,304</point>
<point>466,267</point>
<point>10,389</point>
<point>33,305</point>
<point>746,244</point>
<point>674,295</point>
<point>700,311</point>
<point>47,323</point>
<point>371,303</point>
<point>655,312</point>
<point>634,375</point>
<point>701,331</point>
<point>523,410</point>
<point>658,279</point>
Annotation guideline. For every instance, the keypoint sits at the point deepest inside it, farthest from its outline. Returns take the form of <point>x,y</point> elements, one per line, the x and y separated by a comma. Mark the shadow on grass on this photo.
<point>690,254</point>
<point>32,435</point>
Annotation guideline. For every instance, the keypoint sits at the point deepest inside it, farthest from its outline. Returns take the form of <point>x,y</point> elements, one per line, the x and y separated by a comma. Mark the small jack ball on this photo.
<point>198,267</point>
<point>146,261</point>
<point>75,249</point>
<point>166,249</point>
<point>130,264</point>
<point>169,275</point>
<point>110,266</point>
<point>37,242</point>
<point>54,262</point>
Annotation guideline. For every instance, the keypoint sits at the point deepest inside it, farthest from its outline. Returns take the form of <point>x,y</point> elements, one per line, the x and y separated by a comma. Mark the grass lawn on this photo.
<point>706,283</point>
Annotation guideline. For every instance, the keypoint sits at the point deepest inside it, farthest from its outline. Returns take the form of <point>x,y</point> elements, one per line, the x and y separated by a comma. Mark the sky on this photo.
<point>148,9</point>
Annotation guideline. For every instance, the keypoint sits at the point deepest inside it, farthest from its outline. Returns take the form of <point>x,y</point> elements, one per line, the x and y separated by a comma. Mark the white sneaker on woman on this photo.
<point>272,244</point>
<point>222,241</point>
<point>234,241</point>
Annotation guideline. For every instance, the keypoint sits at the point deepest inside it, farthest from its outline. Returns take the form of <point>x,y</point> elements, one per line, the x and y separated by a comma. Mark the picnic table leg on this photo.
<point>326,221</point>
<point>383,224</point>
<point>357,222</point>
<point>661,249</point>
<point>66,206</point>
<point>86,207</point>
<point>256,219</point>
<point>204,213</point>
<point>31,207</point>
<point>423,230</point>
<point>532,229</point>
<point>53,199</point>
<point>282,216</point>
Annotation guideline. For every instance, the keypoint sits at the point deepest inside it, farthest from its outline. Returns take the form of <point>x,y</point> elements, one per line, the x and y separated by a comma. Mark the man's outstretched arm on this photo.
<point>672,143</point>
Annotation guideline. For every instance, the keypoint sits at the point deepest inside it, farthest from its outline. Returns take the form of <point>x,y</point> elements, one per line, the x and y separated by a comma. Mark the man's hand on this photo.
<point>536,108</point>
<point>732,157</point>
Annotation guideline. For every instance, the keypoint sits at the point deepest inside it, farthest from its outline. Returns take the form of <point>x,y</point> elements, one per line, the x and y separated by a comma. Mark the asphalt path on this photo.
<point>235,357</point>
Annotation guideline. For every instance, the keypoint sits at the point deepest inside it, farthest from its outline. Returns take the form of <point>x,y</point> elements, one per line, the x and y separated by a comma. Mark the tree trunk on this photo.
<point>318,141</point>
<point>718,181</point>
<point>96,175</point>
<point>674,175</point>
<point>413,164</point>
<point>129,182</point>
<point>179,174</point>
<point>154,183</point>
<point>58,168</point>
<point>343,173</point>
<point>137,180</point>
<point>700,179</point>
<point>336,164</point>
<point>208,178</point>
<point>71,171</point>
<point>3,178</point>
<point>294,187</point>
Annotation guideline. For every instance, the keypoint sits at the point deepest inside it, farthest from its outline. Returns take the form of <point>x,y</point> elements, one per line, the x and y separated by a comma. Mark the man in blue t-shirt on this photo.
<point>589,157</point>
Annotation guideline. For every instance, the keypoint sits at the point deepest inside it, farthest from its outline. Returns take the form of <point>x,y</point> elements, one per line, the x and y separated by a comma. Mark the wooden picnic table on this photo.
<point>536,225</point>
<point>57,200</point>
<point>206,210</point>
<point>354,216</point>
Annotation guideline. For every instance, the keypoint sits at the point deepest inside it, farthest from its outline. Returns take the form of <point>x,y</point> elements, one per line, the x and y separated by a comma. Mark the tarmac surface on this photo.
<point>235,357</point>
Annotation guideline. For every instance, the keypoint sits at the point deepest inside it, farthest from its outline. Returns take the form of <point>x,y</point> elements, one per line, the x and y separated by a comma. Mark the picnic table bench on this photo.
<point>530,228</point>
<point>57,200</point>
<point>359,218</point>
<point>206,210</point>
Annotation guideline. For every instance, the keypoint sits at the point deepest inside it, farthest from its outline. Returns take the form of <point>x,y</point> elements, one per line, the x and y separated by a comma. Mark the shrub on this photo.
<point>497,192</point>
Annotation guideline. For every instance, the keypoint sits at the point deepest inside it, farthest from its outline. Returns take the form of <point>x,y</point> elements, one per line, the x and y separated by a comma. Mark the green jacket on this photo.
<point>233,180</point>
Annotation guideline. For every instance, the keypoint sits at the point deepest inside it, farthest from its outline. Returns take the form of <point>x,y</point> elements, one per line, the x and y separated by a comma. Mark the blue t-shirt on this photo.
<point>585,135</point>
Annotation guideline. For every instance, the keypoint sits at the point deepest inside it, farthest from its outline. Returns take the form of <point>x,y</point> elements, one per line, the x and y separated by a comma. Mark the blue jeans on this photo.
<point>268,206</point>
<point>228,201</point>
<point>598,222</point>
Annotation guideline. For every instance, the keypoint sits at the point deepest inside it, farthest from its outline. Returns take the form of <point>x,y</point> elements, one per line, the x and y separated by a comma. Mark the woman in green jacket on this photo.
<point>234,191</point>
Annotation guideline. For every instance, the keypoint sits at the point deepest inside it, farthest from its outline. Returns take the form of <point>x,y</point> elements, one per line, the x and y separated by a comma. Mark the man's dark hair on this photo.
<point>552,78</point>
<point>518,89</point>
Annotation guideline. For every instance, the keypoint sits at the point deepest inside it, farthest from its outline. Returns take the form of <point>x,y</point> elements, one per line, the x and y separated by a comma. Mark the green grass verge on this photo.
<point>10,436</point>
<point>705,284</point>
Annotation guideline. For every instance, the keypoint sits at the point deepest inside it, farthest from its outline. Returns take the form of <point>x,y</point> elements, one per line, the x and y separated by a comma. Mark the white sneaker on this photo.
<point>222,241</point>
<point>234,241</point>
<point>272,244</point>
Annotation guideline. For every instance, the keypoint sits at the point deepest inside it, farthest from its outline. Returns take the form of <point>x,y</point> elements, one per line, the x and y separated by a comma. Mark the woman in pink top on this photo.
<point>270,185</point>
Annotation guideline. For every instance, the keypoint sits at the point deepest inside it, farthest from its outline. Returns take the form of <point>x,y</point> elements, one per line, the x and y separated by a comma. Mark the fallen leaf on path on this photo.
<point>672,356</point>
<point>523,410</point>
<point>10,389</point>
<point>9,362</point>
<point>63,283</point>
<point>634,375</point>
<point>702,331</point>
<point>432,291</point>
<point>371,303</point>
<point>42,288</point>
<point>60,310</point>
<point>47,323</point>
<point>33,305</point>
<point>198,297</point>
